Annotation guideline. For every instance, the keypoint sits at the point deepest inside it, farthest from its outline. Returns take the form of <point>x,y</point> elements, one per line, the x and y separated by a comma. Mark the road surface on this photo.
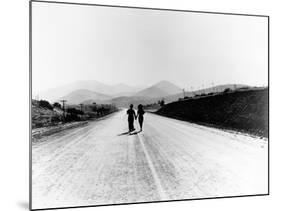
<point>101,164</point>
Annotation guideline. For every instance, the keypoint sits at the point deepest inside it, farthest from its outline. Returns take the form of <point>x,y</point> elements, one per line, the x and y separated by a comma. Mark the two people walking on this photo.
<point>132,116</point>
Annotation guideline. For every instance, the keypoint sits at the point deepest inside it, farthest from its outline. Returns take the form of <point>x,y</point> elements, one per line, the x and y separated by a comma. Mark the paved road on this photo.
<point>171,159</point>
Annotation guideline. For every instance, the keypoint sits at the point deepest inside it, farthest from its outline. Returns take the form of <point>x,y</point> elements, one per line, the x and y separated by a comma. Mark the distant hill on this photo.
<point>120,94</point>
<point>89,91</point>
<point>214,89</point>
<point>125,101</point>
<point>161,89</point>
<point>244,110</point>
<point>82,95</point>
<point>123,94</point>
<point>92,85</point>
<point>118,89</point>
<point>147,96</point>
<point>220,88</point>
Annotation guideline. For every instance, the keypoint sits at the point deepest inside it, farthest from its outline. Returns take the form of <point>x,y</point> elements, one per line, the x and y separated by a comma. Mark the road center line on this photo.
<point>153,171</point>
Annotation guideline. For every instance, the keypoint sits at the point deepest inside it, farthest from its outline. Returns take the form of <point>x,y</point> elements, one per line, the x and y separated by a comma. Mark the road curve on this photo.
<point>101,164</point>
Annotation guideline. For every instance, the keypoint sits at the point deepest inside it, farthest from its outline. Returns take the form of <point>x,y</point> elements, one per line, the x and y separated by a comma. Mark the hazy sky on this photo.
<point>142,47</point>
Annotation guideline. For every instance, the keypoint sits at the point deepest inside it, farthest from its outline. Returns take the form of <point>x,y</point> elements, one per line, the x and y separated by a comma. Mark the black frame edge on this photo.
<point>150,8</point>
<point>30,105</point>
<point>145,8</point>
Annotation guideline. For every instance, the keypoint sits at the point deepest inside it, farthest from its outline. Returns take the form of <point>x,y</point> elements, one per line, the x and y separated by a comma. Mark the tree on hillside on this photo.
<point>73,114</point>
<point>227,90</point>
<point>57,105</point>
<point>74,111</point>
<point>161,102</point>
<point>45,104</point>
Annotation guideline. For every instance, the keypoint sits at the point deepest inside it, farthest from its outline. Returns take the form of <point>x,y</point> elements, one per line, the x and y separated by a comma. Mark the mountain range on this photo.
<point>87,92</point>
<point>82,95</point>
<point>91,85</point>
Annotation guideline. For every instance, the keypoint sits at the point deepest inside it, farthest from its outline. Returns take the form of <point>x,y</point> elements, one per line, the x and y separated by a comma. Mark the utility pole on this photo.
<point>81,107</point>
<point>63,107</point>
<point>183,93</point>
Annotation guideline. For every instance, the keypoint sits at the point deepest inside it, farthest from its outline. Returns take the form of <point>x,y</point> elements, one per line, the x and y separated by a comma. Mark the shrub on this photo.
<point>71,117</point>
<point>57,105</point>
<point>227,90</point>
<point>56,118</point>
<point>94,108</point>
<point>74,111</point>
<point>161,102</point>
<point>45,104</point>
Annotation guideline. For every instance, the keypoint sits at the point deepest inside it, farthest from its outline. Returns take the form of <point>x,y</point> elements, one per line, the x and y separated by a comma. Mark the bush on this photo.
<point>38,124</point>
<point>45,104</point>
<point>227,90</point>
<point>94,108</point>
<point>56,119</point>
<point>57,105</point>
<point>73,114</point>
<point>72,117</point>
<point>74,111</point>
<point>161,102</point>
<point>101,109</point>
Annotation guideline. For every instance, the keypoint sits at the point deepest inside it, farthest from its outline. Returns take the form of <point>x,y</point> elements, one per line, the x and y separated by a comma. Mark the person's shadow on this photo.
<point>129,133</point>
<point>134,133</point>
<point>125,133</point>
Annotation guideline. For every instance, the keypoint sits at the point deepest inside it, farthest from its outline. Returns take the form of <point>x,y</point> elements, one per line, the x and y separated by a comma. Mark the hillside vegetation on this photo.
<point>45,114</point>
<point>245,110</point>
<point>122,95</point>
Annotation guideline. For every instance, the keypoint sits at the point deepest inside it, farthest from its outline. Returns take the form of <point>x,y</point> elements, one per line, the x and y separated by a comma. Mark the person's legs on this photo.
<point>133,128</point>
<point>131,125</point>
<point>141,122</point>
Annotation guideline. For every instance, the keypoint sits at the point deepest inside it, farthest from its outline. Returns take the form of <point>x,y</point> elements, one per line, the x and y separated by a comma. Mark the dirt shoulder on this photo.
<point>38,133</point>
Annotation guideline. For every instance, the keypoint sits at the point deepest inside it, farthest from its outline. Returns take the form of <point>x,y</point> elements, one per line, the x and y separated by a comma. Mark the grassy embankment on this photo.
<point>244,111</point>
<point>48,119</point>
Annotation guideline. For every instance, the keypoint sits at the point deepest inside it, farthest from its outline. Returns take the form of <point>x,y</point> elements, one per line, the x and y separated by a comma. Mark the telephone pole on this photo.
<point>63,107</point>
<point>81,107</point>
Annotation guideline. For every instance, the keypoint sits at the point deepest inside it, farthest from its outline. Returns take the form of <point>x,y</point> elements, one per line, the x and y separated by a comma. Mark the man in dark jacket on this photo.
<point>131,117</point>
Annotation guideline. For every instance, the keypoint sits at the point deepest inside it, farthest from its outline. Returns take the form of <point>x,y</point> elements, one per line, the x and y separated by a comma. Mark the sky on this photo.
<point>141,47</point>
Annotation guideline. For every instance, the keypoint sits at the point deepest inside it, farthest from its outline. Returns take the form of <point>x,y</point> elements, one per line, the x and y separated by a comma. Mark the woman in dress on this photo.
<point>140,115</point>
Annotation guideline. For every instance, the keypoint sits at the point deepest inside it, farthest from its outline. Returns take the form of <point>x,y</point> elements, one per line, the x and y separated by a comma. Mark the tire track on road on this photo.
<point>155,176</point>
